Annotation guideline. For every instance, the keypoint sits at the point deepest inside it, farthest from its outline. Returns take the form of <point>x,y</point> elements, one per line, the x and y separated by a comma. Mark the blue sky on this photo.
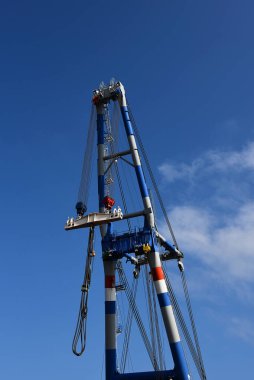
<point>188,72</point>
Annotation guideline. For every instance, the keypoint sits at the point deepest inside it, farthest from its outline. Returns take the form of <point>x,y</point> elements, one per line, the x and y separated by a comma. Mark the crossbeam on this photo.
<point>116,155</point>
<point>99,218</point>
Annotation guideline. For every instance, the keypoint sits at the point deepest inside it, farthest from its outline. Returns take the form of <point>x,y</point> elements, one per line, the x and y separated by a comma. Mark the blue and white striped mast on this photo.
<point>101,98</point>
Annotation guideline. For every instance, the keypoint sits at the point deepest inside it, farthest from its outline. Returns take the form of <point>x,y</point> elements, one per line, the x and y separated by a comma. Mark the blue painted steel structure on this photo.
<point>116,246</point>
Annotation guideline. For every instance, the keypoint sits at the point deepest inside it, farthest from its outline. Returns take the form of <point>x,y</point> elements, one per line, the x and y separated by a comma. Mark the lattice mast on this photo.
<point>145,248</point>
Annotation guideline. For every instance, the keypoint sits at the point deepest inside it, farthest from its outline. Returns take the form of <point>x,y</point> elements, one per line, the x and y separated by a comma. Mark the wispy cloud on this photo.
<point>228,248</point>
<point>215,220</point>
<point>242,328</point>
<point>211,161</point>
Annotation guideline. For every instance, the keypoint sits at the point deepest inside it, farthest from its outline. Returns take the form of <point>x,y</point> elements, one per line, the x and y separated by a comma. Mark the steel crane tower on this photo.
<point>139,246</point>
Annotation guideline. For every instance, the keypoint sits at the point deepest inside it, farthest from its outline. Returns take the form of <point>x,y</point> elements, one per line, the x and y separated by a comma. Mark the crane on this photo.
<point>144,247</point>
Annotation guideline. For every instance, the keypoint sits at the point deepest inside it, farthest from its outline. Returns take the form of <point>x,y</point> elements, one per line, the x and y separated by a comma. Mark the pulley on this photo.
<point>108,202</point>
<point>81,208</point>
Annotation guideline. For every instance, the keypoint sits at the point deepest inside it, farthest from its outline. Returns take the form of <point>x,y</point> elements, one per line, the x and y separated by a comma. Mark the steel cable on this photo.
<point>187,296</point>
<point>135,311</point>
<point>80,331</point>
<point>85,181</point>
<point>128,328</point>
<point>113,145</point>
<point>186,293</point>
<point>153,179</point>
<point>183,326</point>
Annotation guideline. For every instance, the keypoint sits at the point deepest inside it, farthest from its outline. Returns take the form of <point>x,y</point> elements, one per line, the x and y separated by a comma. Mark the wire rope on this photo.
<point>149,169</point>
<point>182,324</point>
<point>193,325</point>
<point>85,181</point>
<point>128,325</point>
<point>80,331</point>
<point>136,314</point>
<point>164,211</point>
<point>112,150</point>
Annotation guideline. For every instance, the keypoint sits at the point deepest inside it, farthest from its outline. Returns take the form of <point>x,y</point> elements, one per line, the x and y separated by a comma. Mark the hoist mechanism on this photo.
<point>143,246</point>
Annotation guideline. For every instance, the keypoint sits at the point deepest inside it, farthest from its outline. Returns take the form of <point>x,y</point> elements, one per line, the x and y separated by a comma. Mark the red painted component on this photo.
<point>157,273</point>
<point>110,281</point>
<point>96,99</point>
<point>108,202</point>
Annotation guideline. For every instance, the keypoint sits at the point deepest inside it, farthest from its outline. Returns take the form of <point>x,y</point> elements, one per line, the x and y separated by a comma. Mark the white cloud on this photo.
<point>214,222</point>
<point>211,161</point>
<point>228,249</point>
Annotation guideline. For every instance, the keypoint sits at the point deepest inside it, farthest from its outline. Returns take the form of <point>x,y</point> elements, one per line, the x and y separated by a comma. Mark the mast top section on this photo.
<point>105,93</point>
